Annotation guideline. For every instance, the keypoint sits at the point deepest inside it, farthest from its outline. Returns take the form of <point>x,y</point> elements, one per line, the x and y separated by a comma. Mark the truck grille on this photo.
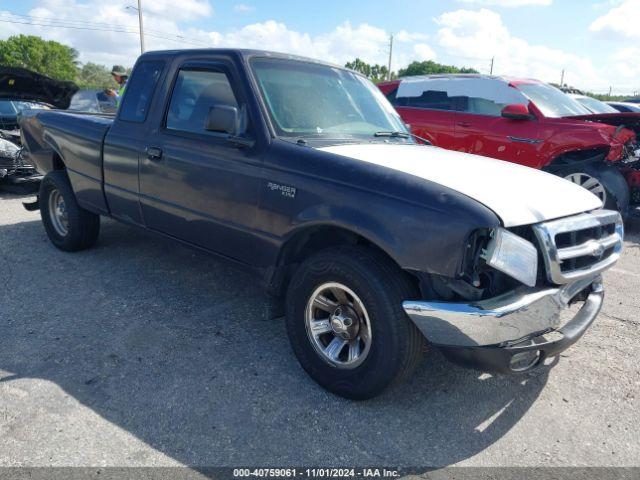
<point>580,246</point>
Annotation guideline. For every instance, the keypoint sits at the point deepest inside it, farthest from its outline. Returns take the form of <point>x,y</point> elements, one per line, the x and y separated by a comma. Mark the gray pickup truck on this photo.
<point>373,244</point>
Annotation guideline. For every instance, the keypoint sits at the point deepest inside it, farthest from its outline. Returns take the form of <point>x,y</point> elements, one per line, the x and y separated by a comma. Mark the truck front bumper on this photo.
<point>513,332</point>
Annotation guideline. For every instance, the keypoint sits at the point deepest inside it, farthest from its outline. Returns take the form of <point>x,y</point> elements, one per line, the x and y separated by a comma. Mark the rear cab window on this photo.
<point>139,91</point>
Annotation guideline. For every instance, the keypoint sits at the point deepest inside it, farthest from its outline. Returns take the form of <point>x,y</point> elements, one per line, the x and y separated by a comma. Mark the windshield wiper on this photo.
<point>398,134</point>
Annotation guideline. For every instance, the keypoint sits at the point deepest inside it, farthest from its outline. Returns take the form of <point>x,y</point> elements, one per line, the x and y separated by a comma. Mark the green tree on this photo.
<point>46,57</point>
<point>377,73</point>
<point>93,75</point>
<point>430,67</point>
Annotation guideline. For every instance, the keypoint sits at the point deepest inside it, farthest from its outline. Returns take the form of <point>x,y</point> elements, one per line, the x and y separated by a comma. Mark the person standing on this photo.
<point>120,76</point>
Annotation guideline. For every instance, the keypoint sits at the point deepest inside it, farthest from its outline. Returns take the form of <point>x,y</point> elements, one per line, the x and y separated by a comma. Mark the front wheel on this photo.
<point>68,226</point>
<point>346,323</point>
<point>604,181</point>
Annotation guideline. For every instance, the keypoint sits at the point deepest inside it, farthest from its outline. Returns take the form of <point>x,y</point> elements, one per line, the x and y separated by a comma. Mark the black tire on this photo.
<point>83,226</point>
<point>614,183</point>
<point>396,344</point>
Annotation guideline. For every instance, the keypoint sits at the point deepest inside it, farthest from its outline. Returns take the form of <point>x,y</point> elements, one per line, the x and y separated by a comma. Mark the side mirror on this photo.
<point>223,119</point>
<point>516,111</point>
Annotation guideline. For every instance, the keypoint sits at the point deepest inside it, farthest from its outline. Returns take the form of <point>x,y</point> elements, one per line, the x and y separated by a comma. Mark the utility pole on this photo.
<point>610,89</point>
<point>491,69</point>
<point>390,56</point>
<point>562,78</point>
<point>141,26</point>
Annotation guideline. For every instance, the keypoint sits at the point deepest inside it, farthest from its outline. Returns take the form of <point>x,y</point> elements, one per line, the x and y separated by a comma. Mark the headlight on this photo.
<point>8,149</point>
<point>512,255</point>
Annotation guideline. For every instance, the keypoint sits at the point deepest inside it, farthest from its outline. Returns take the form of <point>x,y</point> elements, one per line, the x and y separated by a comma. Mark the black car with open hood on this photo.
<point>19,89</point>
<point>22,84</point>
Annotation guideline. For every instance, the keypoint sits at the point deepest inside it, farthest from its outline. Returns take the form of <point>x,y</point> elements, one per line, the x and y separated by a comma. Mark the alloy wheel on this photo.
<point>590,183</point>
<point>338,325</point>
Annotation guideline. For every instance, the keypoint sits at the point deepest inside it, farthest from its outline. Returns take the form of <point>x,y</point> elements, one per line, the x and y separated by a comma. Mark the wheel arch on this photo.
<point>574,157</point>
<point>311,238</point>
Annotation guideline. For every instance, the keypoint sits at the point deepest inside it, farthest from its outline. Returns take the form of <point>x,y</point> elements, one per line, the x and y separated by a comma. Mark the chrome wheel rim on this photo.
<point>338,325</point>
<point>58,213</point>
<point>590,183</point>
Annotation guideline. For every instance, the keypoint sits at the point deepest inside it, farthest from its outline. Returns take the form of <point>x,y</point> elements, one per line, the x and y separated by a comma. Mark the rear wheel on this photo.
<point>346,323</point>
<point>68,226</point>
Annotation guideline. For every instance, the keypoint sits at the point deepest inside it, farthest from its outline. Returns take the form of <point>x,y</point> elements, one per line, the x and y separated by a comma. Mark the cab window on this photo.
<point>194,93</point>
<point>139,91</point>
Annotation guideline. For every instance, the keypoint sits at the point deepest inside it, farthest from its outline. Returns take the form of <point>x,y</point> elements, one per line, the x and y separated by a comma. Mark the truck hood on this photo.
<point>518,195</point>
<point>22,84</point>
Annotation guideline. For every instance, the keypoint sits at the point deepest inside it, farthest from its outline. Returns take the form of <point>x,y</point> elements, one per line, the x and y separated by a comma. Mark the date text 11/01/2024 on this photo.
<point>316,472</point>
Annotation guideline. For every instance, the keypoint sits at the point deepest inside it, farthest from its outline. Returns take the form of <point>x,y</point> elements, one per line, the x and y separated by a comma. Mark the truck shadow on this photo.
<point>173,347</point>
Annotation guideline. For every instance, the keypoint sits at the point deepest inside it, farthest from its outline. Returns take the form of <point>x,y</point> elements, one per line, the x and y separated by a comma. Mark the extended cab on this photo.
<point>303,173</point>
<point>527,122</point>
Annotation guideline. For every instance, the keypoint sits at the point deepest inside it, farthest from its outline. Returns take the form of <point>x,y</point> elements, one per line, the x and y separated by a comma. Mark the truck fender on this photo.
<point>351,220</point>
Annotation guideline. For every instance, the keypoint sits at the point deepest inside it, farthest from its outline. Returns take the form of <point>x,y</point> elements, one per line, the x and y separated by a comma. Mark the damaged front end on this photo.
<point>19,89</point>
<point>625,152</point>
<point>17,174</point>
<point>525,294</point>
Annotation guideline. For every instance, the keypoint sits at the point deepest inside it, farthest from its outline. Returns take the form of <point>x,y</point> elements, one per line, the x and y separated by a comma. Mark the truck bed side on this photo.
<point>56,139</point>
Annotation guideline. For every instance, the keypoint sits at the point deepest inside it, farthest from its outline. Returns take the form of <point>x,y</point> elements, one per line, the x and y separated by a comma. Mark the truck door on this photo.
<point>194,184</point>
<point>480,128</point>
<point>124,143</point>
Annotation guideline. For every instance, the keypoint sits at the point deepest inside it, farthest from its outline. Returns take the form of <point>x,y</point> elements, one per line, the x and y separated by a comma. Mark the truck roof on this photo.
<point>244,53</point>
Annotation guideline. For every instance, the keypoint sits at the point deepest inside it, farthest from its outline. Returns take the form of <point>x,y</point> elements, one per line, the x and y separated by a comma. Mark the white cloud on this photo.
<point>93,19</point>
<point>509,3</point>
<point>404,36</point>
<point>618,22</point>
<point>340,45</point>
<point>243,8</point>
<point>474,37</point>
<point>615,27</point>
<point>165,29</point>
<point>186,10</point>
<point>626,63</point>
<point>423,52</point>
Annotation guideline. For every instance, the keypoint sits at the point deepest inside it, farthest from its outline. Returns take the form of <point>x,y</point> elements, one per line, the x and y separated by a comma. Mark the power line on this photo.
<point>89,26</point>
<point>73,23</point>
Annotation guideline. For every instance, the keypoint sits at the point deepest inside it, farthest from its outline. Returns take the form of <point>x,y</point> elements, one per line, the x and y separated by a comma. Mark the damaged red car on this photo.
<point>527,122</point>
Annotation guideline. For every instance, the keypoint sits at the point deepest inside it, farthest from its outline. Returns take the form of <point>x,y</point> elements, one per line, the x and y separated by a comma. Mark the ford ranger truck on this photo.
<point>372,244</point>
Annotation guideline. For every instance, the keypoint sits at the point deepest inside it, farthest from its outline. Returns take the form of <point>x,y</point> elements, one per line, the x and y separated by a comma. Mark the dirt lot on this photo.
<point>141,352</point>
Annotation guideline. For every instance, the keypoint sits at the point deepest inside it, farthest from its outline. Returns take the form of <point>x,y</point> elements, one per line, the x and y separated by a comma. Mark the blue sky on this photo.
<point>591,40</point>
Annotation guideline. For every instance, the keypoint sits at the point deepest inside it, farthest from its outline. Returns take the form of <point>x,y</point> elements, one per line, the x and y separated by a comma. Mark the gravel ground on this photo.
<point>140,352</point>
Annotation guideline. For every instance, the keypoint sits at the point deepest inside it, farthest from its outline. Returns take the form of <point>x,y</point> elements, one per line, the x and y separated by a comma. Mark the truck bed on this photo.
<point>50,135</point>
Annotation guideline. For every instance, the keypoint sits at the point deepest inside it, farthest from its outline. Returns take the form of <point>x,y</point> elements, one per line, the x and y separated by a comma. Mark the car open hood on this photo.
<point>518,195</point>
<point>629,120</point>
<point>23,84</point>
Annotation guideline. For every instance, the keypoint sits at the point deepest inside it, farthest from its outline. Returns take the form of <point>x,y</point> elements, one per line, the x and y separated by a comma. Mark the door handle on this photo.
<point>154,153</point>
<point>464,124</point>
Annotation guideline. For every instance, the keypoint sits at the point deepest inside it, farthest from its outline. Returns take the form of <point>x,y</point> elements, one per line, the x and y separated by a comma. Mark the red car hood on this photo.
<point>628,120</point>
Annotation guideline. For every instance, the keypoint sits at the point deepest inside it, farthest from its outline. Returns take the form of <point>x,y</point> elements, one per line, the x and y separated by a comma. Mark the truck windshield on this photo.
<point>313,100</point>
<point>552,102</point>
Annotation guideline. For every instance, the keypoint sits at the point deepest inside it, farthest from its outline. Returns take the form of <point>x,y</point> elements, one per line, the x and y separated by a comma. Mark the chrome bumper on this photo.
<point>507,319</point>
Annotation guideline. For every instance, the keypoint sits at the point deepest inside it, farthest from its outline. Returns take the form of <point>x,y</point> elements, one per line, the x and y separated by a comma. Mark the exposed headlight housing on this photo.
<point>512,255</point>
<point>8,149</point>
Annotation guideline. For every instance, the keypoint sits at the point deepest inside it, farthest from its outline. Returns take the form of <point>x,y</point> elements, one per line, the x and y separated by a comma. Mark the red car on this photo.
<point>527,122</point>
